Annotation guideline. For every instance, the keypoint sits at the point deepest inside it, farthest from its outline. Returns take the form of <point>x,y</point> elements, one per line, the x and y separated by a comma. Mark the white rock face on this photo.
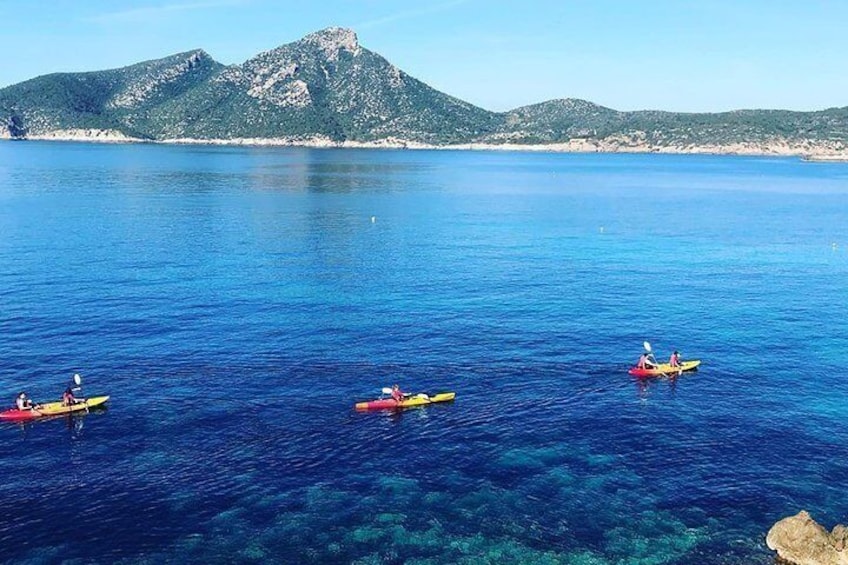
<point>262,83</point>
<point>272,76</point>
<point>272,84</point>
<point>395,77</point>
<point>234,74</point>
<point>333,40</point>
<point>135,95</point>
<point>103,135</point>
<point>296,94</point>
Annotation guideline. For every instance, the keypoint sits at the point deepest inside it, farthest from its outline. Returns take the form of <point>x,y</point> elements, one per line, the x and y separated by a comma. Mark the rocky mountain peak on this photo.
<point>333,40</point>
<point>284,76</point>
<point>197,56</point>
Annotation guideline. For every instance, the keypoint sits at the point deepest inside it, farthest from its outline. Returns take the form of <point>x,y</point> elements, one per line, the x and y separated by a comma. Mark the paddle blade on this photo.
<point>77,379</point>
<point>647,346</point>
<point>387,390</point>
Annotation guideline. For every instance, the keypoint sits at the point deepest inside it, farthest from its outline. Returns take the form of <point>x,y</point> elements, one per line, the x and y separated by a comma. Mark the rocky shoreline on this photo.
<point>807,151</point>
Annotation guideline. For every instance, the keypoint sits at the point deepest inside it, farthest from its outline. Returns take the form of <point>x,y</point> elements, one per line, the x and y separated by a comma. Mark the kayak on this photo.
<point>52,409</point>
<point>664,369</point>
<point>420,399</point>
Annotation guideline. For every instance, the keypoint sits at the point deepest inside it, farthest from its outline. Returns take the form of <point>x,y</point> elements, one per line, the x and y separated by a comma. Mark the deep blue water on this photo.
<point>236,302</point>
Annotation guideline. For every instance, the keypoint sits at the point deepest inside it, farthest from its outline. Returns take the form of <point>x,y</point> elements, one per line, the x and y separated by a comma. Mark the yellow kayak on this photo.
<point>53,409</point>
<point>665,369</point>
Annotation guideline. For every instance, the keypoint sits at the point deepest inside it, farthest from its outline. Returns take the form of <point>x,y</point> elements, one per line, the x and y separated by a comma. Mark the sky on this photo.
<point>675,55</point>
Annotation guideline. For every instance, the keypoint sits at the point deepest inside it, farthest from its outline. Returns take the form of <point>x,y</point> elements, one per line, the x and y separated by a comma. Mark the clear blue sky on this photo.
<point>674,55</point>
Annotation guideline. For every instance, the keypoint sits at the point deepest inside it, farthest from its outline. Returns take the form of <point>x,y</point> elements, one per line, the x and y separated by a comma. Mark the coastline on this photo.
<point>842,158</point>
<point>806,151</point>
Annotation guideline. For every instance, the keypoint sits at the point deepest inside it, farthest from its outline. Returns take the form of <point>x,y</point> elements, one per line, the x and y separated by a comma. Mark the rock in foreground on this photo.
<point>800,540</point>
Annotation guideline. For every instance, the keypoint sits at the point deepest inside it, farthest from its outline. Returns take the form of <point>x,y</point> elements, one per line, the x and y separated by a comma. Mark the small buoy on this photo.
<point>833,246</point>
<point>602,229</point>
<point>373,219</point>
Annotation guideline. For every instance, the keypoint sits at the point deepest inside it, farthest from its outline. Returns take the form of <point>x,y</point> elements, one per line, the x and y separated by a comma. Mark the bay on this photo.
<point>236,301</point>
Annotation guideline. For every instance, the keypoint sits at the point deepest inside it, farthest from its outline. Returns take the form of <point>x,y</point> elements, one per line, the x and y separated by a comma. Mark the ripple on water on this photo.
<point>236,302</point>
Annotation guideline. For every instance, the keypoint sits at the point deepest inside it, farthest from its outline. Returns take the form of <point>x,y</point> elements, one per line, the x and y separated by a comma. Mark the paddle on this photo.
<point>78,382</point>
<point>647,347</point>
<point>421,395</point>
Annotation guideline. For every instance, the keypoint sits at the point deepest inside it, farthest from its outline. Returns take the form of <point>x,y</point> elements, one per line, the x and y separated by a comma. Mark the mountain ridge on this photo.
<point>326,88</point>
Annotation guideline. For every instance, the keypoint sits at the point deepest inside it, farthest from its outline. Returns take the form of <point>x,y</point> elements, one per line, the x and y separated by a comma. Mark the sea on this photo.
<point>236,302</point>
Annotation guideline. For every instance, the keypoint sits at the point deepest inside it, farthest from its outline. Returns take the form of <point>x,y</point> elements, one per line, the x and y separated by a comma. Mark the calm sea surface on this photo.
<point>236,302</point>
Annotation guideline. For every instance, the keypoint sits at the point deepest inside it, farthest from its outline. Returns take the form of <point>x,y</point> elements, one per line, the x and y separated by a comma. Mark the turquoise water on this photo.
<point>236,302</point>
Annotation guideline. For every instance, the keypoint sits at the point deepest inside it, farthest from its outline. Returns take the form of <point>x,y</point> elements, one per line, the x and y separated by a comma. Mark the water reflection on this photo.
<point>644,385</point>
<point>286,170</point>
<point>74,422</point>
<point>199,170</point>
<point>332,171</point>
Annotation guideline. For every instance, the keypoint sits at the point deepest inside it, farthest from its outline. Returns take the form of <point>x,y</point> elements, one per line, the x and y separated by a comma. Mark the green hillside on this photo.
<point>328,86</point>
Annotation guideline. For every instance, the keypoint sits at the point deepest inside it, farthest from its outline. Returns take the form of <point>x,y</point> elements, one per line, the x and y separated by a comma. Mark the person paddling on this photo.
<point>674,361</point>
<point>23,402</point>
<point>397,394</point>
<point>646,362</point>
<point>68,397</point>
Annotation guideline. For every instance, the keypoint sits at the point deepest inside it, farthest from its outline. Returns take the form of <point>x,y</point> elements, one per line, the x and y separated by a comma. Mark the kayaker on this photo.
<point>68,397</point>
<point>674,360</point>
<point>646,362</point>
<point>22,402</point>
<point>397,393</point>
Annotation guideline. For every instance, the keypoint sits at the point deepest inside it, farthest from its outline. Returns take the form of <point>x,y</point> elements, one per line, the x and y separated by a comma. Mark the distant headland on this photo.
<point>326,90</point>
